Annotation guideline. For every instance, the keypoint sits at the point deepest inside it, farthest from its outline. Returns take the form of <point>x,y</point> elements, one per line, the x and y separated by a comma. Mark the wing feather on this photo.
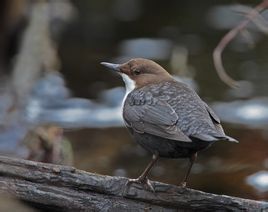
<point>155,117</point>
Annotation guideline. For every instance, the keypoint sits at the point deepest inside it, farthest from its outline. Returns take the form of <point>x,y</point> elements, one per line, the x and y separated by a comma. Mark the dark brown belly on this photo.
<point>169,148</point>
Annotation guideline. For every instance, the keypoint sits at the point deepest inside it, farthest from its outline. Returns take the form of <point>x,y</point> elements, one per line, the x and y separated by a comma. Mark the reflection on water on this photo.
<point>51,103</point>
<point>251,113</point>
<point>10,140</point>
<point>259,181</point>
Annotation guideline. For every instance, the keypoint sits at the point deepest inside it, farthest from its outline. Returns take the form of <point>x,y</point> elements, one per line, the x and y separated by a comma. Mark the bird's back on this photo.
<point>195,119</point>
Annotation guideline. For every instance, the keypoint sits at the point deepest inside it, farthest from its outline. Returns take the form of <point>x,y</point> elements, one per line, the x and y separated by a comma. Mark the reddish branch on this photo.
<point>217,53</point>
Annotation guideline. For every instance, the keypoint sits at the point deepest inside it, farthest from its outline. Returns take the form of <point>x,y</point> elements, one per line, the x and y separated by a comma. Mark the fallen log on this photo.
<point>64,188</point>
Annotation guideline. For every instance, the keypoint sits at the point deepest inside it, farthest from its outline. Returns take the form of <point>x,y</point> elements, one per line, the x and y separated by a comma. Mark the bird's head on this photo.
<point>139,72</point>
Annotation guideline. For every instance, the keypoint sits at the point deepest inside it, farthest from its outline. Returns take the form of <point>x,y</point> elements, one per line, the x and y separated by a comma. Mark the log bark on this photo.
<point>64,188</point>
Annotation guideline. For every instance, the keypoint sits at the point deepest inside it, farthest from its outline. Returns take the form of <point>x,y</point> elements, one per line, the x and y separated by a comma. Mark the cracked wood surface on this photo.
<point>64,188</point>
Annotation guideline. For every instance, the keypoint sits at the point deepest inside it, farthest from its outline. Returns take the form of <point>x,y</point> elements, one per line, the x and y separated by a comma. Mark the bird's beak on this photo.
<point>112,66</point>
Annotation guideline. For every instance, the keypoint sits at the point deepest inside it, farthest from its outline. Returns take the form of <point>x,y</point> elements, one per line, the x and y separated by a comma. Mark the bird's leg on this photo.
<point>144,174</point>
<point>143,179</point>
<point>192,160</point>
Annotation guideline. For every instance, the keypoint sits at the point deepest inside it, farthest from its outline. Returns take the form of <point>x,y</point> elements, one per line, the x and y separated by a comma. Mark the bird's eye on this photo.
<point>136,72</point>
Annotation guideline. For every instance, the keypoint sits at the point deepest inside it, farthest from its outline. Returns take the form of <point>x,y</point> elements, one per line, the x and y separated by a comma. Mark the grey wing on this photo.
<point>155,117</point>
<point>215,119</point>
<point>217,124</point>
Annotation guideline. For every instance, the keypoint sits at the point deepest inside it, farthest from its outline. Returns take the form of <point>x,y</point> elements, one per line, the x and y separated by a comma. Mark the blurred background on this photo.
<point>59,105</point>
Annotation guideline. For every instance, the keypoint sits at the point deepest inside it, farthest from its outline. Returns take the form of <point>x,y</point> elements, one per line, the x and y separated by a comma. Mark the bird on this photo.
<point>164,116</point>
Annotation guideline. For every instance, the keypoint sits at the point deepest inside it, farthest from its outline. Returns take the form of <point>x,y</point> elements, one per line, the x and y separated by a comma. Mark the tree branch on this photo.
<point>217,53</point>
<point>64,188</point>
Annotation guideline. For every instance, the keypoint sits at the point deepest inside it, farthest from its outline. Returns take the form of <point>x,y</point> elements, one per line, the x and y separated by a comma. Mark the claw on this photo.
<point>144,182</point>
<point>142,179</point>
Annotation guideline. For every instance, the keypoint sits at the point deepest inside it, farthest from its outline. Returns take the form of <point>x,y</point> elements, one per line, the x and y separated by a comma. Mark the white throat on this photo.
<point>129,83</point>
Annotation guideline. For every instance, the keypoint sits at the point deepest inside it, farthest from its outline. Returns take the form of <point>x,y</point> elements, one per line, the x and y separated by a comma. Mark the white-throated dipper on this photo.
<point>164,116</point>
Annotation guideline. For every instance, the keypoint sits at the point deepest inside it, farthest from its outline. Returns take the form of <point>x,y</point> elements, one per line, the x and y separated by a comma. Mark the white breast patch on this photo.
<point>129,83</point>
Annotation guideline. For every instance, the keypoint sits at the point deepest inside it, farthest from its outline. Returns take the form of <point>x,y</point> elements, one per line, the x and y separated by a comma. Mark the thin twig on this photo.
<point>217,53</point>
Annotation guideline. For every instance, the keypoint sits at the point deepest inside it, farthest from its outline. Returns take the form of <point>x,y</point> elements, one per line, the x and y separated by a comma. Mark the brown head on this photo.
<point>140,71</point>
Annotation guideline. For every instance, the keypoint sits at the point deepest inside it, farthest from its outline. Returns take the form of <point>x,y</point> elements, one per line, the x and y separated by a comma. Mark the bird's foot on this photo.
<point>143,181</point>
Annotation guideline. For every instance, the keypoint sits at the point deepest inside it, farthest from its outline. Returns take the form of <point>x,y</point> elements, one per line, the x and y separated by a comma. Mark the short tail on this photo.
<point>228,138</point>
<point>212,138</point>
